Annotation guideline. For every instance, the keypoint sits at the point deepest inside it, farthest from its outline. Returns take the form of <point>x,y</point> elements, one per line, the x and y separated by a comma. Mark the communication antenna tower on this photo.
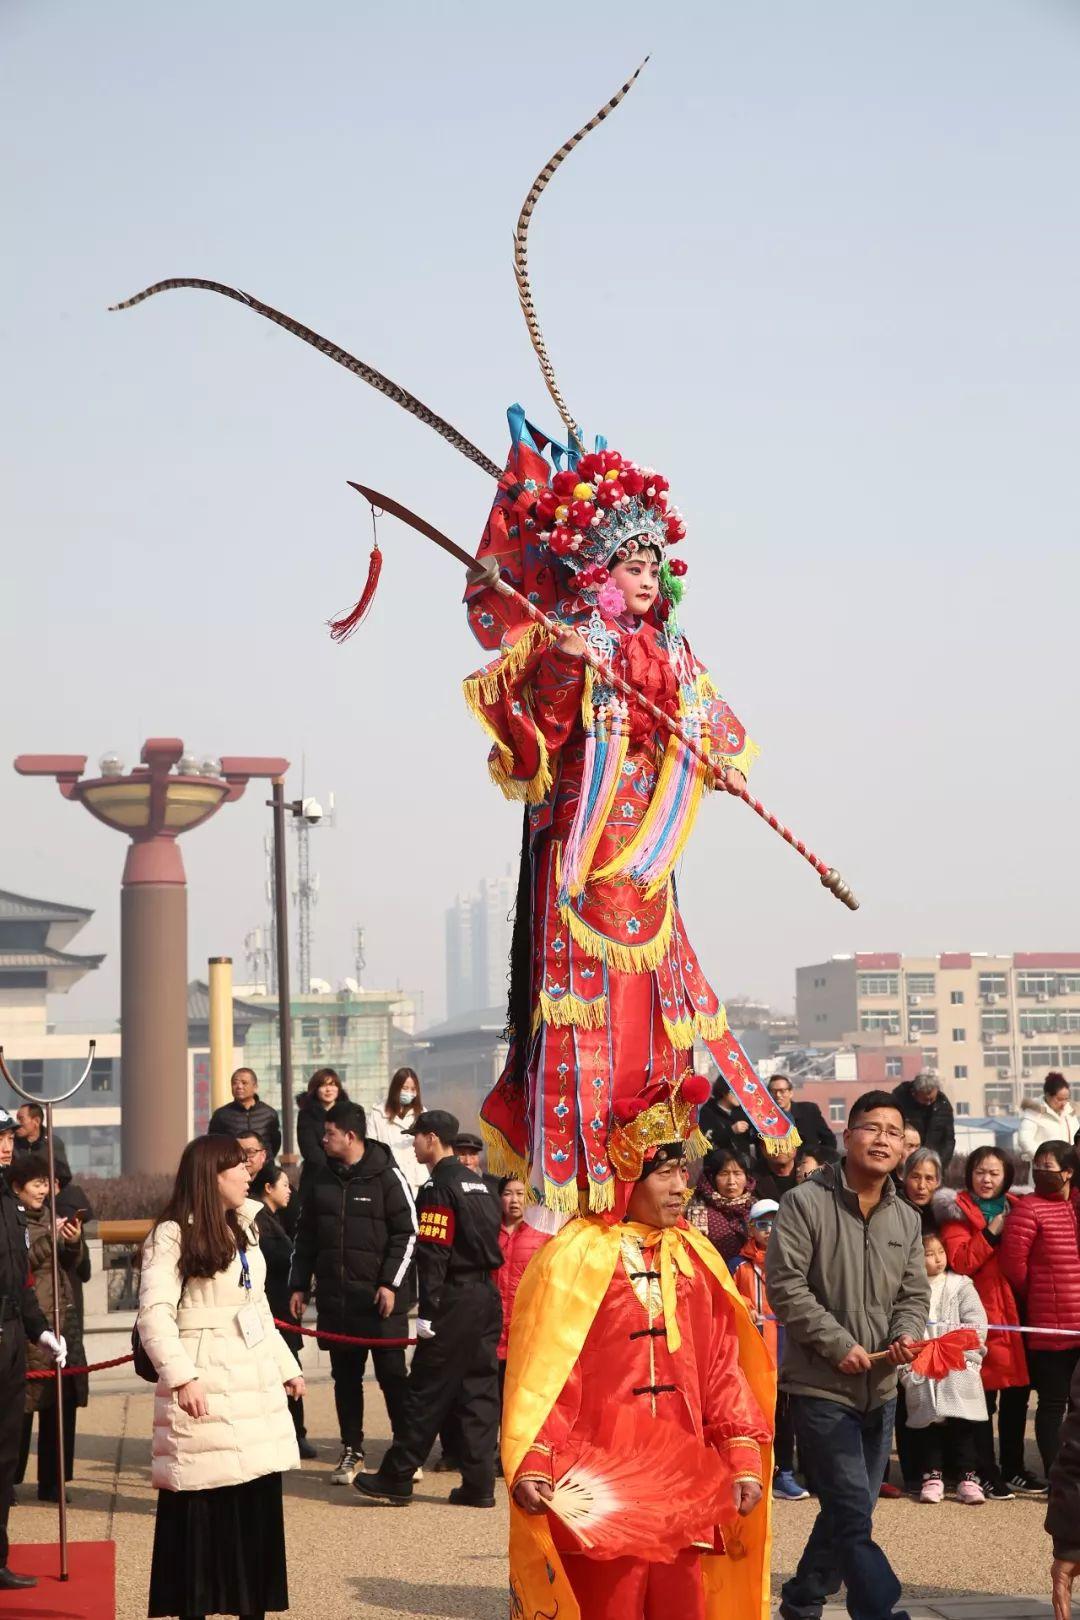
<point>306,893</point>
<point>270,979</point>
<point>360,957</point>
<point>259,957</point>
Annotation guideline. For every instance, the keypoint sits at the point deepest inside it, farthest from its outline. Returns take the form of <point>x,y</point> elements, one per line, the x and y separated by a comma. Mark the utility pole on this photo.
<point>281,930</point>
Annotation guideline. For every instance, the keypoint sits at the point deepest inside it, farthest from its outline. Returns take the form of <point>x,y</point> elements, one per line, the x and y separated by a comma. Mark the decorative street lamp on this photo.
<point>168,794</point>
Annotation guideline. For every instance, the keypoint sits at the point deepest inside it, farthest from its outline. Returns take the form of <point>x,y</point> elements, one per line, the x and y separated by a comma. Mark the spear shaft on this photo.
<point>829,876</point>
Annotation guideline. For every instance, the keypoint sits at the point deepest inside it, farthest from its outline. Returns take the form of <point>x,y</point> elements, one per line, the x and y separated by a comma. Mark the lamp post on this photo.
<point>169,793</point>
<point>281,936</point>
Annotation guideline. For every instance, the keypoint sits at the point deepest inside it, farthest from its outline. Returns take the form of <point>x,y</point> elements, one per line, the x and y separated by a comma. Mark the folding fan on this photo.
<point>643,1487</point>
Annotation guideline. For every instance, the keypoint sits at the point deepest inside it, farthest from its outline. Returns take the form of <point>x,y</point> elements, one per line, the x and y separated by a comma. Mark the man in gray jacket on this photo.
<point>847,1282</point>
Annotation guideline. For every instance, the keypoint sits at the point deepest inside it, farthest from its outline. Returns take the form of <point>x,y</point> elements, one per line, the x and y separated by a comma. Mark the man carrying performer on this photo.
<point>633,1363</point>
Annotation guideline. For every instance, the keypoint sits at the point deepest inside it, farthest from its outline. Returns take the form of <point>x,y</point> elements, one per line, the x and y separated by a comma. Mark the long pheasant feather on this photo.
<point>521,252</point>
<point>333,351</point>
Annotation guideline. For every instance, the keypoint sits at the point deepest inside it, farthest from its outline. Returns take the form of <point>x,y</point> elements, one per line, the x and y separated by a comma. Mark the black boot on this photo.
<point>10,1582</point>
<point>381,1488</point>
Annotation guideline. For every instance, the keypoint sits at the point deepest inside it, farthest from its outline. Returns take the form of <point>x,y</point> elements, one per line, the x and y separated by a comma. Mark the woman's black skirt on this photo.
<point>220,1552</point>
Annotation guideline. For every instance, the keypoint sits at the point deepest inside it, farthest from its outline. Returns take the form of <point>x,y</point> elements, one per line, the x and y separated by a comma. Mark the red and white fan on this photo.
<point>641,1487</point>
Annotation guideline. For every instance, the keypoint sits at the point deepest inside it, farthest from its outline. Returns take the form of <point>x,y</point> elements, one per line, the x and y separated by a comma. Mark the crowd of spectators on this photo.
<point>997,1253</point>
<point>988,1252</point>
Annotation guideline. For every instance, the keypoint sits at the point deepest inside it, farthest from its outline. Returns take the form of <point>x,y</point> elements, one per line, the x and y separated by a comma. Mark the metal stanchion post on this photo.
<point>58,1328</point>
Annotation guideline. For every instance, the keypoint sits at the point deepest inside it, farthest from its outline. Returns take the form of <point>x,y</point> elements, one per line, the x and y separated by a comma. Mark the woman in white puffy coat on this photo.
<point>222,1431</point>
<point>1052,1120</point>
<point>392,1126</point>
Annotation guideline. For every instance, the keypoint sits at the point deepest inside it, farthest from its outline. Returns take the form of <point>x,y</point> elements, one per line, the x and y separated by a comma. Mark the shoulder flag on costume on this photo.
<point>436,1225</point>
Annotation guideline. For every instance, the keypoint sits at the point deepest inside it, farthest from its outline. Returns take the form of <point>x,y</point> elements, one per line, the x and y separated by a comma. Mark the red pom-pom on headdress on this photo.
<point>696,1090</point>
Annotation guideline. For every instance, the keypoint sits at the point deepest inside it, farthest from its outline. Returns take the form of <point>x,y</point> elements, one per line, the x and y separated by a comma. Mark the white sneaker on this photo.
<point>349,1465</point>
<point>418,1476</point>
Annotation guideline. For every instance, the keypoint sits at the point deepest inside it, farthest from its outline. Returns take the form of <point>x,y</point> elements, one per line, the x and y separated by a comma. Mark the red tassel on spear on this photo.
<point>342,628</point>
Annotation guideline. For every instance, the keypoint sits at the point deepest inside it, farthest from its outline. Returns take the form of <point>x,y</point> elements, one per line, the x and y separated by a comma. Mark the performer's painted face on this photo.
<point>639,581</point>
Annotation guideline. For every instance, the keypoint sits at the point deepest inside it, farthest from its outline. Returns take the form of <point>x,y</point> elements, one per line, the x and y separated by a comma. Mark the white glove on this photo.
<point>424,1330</point>
<point>57,1348</point>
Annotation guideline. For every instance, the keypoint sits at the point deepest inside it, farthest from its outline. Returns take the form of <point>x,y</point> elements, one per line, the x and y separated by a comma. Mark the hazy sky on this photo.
<point>822,269</point>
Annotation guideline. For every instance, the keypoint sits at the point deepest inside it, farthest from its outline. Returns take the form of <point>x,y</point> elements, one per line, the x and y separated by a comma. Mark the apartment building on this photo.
<point>991,1025</point>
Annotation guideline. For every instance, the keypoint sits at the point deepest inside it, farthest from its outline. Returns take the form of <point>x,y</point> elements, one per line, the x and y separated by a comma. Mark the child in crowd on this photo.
<point>808,1161</point>
<point>748,1271</point>
<point>944,1414</point>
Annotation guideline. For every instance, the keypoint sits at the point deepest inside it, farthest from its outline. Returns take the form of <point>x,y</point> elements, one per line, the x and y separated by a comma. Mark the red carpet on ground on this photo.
<point>89,1593</point>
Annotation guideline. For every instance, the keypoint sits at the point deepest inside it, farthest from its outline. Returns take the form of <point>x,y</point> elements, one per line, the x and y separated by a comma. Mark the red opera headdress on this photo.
<point>605,509</point>
<point>644,1124</point>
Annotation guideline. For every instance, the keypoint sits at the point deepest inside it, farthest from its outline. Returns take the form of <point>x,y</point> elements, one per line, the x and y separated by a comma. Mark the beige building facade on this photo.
<point>992,1026</point>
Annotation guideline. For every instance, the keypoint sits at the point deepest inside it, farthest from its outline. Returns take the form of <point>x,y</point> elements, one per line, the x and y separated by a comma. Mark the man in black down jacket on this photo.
<point>723,1122</point>
<point>926,1107</point>
<point>807,1118</point>
<point>357,1235</point>
<point>247,1114</point>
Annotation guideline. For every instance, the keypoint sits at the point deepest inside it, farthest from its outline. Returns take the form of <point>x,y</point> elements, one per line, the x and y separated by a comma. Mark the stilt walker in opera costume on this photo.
<point>637,1421</point>
<point>638,1415</point>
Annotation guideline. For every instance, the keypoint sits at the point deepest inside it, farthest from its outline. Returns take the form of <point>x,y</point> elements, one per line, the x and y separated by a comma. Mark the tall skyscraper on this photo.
<point>479,929</point>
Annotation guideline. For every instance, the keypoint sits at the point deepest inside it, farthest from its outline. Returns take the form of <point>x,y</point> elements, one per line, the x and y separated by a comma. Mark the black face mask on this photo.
<point>1048,1182</point>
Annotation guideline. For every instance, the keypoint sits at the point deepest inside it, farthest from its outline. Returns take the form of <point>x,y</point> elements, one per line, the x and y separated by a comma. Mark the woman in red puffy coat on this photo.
<point>1040,1258</point>
<point>971,1224</point>
<point>518,1242</point>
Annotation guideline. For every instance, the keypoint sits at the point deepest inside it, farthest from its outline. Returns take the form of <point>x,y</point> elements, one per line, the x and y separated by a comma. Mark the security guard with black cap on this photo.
<point>455,1366</point>
<point>21,1318</point>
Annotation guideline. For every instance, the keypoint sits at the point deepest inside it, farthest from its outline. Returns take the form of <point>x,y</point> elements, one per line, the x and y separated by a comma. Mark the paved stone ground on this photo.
<point>349,1561</point>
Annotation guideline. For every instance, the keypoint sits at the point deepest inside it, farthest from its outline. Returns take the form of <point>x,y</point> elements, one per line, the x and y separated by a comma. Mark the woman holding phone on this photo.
<point>30,1184</point>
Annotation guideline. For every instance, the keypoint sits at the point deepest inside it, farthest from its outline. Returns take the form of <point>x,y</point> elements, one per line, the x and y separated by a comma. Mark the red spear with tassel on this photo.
<point>488,571</point>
